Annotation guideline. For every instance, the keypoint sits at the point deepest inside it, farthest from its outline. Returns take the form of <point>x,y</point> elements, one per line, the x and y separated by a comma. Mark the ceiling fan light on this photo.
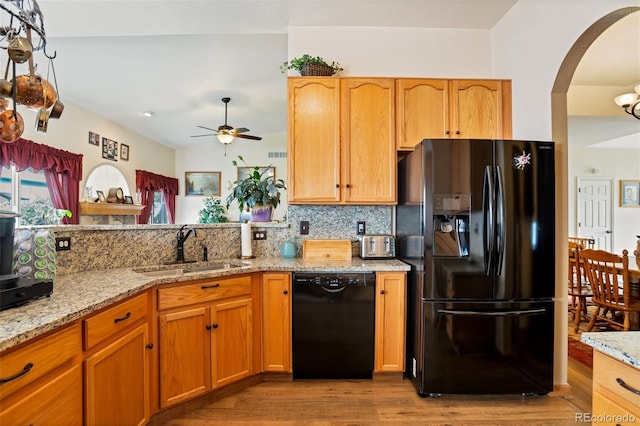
<point>225,138</point>
<point>626,99</point>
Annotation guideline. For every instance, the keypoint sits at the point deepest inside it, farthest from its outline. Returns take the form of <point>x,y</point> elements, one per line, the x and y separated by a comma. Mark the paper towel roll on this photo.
<point>245,239</point>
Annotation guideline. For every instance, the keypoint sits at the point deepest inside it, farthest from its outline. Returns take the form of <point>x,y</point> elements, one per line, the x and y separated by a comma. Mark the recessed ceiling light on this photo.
<point>147,113</point>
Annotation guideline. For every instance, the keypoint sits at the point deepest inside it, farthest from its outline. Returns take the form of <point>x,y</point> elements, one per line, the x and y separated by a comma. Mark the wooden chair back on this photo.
<point>608,275</point>
<point>575,269</point>
<point>583,242</point>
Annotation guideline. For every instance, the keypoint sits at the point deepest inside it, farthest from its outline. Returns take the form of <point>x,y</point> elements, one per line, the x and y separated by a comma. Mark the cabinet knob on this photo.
<point>337,185</point>
<point>348,185</point>
<point>215,325</point>
<point>150,346</point>
<point>447,132</point>
<point>208,326</point>
<point>381,291</point>
<point>285,292</point>
<point>457,132</point>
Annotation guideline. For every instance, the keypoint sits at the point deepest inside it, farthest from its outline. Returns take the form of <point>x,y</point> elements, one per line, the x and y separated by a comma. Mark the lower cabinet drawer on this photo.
<point>107,323</point>
<point>203,291</point>
<point>616,380</point>
<point>34,360</point>
<point>58,402</point>
<point>607,412</point>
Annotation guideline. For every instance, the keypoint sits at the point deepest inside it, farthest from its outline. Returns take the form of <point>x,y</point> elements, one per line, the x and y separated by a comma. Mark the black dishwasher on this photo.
<point>333,325</point>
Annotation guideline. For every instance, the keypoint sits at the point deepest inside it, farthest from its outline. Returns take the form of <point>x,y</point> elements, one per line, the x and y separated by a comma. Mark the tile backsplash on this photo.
<point>107,247</point>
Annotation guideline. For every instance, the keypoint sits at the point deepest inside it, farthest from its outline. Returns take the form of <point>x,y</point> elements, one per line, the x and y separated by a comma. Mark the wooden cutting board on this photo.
<point>339,250</point>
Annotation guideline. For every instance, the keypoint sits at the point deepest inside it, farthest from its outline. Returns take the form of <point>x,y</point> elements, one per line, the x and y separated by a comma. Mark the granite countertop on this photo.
<point>621,345</point>
<point>76,295</point>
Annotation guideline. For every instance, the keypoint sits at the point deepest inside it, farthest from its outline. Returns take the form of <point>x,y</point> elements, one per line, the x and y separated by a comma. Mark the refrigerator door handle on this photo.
<point>500,220</point>
<point>488,228</point>
<point>492,314</point>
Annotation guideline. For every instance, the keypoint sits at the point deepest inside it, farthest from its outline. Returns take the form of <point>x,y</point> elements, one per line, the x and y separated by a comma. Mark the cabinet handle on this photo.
<point>204,287</point>
<point>24,371</point>
<point>626,386</point>
<point>285,292</point>
<point>457,132</point>
<point>208,327</point>
<point>337,185</point>
<point>447,132</point>
<point>126,317</point>
<point>381,291</point>
<point>215,325</point>
<point>348,185</point>
<point>150,346</point>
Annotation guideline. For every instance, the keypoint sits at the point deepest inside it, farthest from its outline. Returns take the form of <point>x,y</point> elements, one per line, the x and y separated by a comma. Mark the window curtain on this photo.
<point>148,183</point>
<point>62,170</point>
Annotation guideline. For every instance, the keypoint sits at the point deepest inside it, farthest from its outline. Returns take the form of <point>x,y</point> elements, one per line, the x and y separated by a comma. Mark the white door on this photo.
<point>594,213</point>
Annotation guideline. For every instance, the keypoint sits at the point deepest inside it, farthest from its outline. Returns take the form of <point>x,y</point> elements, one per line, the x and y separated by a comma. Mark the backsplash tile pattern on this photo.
<point>108,247</point>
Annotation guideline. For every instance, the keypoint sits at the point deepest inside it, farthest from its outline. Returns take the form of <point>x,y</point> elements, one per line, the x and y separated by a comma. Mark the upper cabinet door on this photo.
<point>481,109</point>
<point>368,141</point>
<point>422,109</point>
<point>313,142</point>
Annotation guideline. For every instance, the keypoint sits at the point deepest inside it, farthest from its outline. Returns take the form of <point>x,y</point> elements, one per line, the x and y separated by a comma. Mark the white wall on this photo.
<point>616,164</point>
<point>71,133</point>
<point>209,156</point>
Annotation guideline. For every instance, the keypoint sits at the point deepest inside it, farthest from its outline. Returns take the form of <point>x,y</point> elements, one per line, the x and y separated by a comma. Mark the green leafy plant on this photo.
<point>258,188</point>
<point>40,211</point>
<point>298,63</point>
<point>213,211</point>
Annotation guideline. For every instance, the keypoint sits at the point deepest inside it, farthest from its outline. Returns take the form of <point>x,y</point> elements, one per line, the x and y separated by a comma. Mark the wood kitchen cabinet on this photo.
<point>460,109</point>
<point>341,141</point>
<point>613,403</point>
<point>117,364</point>
<point>42,380</point>
<point>390,322</point>
<point>276,320</point>
<point>206,336</point>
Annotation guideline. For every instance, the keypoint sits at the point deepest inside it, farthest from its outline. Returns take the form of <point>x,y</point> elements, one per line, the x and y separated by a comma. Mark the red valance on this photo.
<point>24,153</point>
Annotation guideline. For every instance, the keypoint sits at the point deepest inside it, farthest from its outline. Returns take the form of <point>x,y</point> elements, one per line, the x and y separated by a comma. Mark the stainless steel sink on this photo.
<point>172,270</point>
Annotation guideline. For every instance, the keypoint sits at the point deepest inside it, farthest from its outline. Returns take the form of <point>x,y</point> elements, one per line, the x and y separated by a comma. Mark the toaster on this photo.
<point>377,246</point>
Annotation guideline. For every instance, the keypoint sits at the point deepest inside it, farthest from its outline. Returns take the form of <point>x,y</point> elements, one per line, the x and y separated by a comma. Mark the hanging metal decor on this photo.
<point>21,35</point>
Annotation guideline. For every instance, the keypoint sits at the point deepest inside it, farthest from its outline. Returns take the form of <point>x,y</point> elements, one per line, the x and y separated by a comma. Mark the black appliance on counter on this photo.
<point>333,322</point>
<point>15,290</point>
<point>475,220</point>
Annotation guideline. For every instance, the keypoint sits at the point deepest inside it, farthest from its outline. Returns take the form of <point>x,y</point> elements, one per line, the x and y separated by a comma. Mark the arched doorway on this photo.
<point>559,129</point>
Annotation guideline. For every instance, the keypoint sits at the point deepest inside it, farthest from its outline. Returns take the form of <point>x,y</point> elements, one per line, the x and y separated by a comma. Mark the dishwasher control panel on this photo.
<point>335,279</point>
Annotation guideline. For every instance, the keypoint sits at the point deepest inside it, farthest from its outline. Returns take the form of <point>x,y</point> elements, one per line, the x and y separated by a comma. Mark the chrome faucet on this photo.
<point>182,237</point>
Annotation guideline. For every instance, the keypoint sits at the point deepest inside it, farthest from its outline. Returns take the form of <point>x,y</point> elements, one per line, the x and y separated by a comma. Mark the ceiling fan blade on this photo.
<point>199,136</point>
<point>255,138</point>
<point>241,130</point>
<point>207,128</point>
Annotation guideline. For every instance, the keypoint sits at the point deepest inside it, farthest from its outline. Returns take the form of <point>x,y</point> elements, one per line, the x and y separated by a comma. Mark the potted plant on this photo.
<point>259,190</point>
<point>213,211</point>
<point>311,65</point>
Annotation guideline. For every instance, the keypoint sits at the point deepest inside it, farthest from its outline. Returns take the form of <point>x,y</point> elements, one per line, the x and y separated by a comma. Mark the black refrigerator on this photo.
<point>475,220</point>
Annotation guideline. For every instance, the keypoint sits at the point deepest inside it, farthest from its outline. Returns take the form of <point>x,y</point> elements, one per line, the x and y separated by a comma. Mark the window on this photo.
<point>26,193</point>
<point>158,213</point>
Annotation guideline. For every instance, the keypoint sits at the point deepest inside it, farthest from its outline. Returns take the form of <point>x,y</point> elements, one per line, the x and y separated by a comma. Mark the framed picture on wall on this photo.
<point>124,152</point>
<point>109,149</point>
<point>630,193</point>
<point>243,172</point>
<point>202,184</point>
<point>94,139</point>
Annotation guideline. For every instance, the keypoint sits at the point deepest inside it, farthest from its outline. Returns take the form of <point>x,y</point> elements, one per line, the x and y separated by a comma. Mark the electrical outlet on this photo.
<point>259,235</point>
<point>304,227</point>
<point>362,227</point>
<point>63,243</point>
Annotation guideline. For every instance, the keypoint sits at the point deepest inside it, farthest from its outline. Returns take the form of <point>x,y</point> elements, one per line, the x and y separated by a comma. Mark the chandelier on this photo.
<point>21,34</point>
<point>630,102</point>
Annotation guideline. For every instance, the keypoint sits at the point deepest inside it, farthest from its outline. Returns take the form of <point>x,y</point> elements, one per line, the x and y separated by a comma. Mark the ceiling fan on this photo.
<point>225,133</point>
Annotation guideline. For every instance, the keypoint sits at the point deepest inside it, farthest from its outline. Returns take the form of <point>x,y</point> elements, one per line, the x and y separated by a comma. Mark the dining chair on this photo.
<point>578,286</point>
<point>609,277</point>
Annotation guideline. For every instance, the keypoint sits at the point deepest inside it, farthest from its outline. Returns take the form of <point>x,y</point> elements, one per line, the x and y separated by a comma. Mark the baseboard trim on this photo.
<point>560,390</point>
